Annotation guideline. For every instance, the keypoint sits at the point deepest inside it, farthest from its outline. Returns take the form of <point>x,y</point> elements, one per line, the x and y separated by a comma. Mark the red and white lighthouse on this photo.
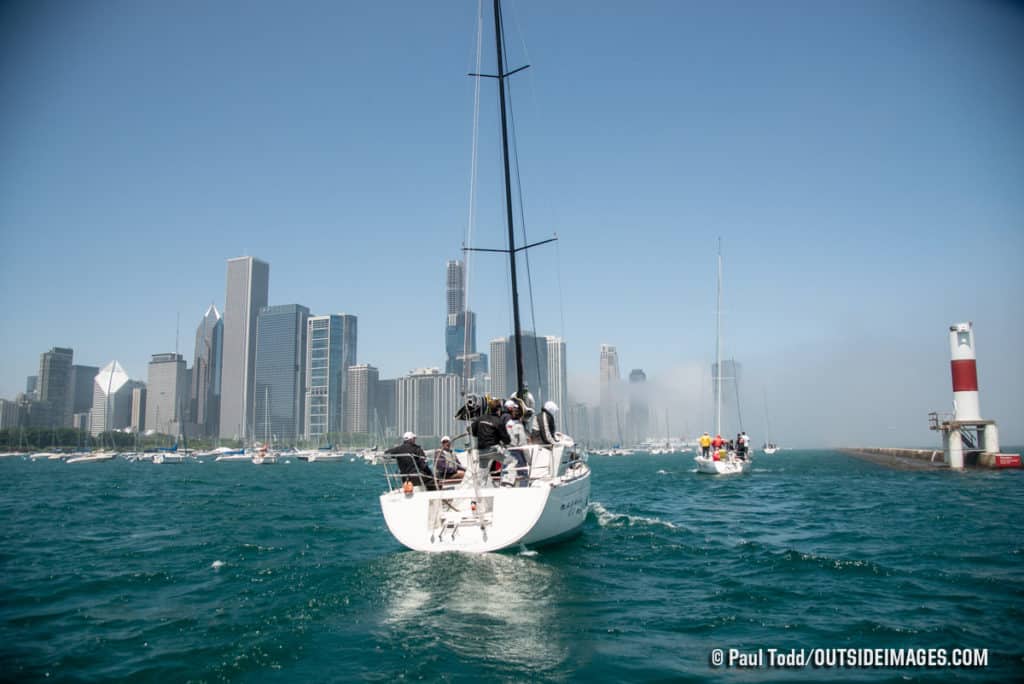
<point>965,372</point>
<point>967,438</point>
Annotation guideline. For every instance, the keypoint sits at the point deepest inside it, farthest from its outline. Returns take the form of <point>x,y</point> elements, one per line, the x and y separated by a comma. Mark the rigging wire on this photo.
<point>471,221</point>
<point>522,219</point>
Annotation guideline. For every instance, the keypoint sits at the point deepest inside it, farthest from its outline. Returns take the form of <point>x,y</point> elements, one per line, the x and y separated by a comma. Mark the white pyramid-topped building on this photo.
<point>111,399</point>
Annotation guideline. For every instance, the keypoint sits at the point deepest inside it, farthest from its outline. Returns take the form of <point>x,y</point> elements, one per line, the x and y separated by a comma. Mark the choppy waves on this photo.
<point>213,572</point>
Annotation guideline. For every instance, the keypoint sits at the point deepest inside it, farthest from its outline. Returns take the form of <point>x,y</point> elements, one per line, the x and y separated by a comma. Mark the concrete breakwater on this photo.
<point>901,459</point>
<point>927,459</point>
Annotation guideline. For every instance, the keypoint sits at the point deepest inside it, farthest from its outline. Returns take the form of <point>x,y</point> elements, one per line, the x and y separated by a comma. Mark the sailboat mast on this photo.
<point>718,346</point>
<point>520,384</point>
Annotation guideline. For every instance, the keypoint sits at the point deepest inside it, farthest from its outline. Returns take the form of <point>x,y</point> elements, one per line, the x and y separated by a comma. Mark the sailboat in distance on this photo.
<point>546,499</point>
<point>724,463</point>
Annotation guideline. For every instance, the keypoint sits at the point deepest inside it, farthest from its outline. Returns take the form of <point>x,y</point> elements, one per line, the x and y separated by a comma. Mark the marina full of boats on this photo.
<point>258,455</point>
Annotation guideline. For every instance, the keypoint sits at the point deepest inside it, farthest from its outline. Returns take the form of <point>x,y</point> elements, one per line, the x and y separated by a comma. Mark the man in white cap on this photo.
<point>412,462</point>
<point>446,465</point>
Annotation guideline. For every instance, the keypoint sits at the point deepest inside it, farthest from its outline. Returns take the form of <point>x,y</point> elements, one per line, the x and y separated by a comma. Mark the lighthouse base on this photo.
<point>988,460</point>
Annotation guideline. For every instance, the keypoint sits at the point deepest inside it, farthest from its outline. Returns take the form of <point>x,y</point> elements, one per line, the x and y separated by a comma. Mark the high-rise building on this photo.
<point>557,380</point>
<point>9,414</point>
<point>385,420</point>
<point>609,426</point>
<point>504,382</point>
<point>639,413</point>
<point>500,385</point>
<point>31,386</point>
<point>55,383</point>
<point>111,400</point>
<point>248,282</point>
<point>137,421</point>
<point>460,327</point>
<point>81,389</point>
<point>426,401</point>
<point>166,394</point>
<point>330,350</point>
<point>455,281</point>
<point>204,394</point>
<point>578,422</point>
<point>280,379</point>
<point>362,398</point>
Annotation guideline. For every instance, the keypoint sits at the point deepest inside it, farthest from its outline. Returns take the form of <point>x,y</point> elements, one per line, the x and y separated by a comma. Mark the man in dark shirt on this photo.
<point>412,462</point>
<point>489,430</point>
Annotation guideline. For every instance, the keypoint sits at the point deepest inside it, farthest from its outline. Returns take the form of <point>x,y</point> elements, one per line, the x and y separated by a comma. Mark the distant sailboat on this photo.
<point>768,447</point>
<point>717,464</point>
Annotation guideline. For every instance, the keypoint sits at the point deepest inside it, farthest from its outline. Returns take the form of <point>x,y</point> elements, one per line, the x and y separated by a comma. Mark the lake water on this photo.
<point>228,571</point>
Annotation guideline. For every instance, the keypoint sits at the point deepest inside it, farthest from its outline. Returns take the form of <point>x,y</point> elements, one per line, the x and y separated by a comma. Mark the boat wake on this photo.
<point>606,518</point>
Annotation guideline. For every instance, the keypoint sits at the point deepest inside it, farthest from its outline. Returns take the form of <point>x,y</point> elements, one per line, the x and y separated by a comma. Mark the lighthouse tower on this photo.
<point>967,438</point>
<point>965,372</point>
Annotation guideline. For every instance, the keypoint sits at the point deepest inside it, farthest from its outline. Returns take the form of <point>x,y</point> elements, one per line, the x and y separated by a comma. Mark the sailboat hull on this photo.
<point>710,466</point>
<point>489,518</point>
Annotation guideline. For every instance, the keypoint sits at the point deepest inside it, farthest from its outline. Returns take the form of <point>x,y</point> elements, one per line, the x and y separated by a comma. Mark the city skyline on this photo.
<point>848,155</point>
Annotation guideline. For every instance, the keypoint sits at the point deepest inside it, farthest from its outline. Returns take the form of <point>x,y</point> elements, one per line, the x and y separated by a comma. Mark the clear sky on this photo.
<point>863,163</point>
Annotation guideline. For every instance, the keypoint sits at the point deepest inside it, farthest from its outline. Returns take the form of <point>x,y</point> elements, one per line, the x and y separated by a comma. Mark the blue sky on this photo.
<point>862,162</point>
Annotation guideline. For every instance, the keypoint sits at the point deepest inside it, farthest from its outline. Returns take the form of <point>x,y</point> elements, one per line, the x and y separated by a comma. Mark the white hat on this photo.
<point>409,436</point>
<point>550,407</point>
<point>446,438</point>
<point>510,404</point>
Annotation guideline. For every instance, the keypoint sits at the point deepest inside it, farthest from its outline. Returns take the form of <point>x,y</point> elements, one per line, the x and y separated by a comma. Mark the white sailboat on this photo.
<point>721,463</point>
<point>768,447</point>
<point>477,514</point>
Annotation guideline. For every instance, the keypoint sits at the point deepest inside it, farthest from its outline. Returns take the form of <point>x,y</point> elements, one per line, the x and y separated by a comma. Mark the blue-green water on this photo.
<point>107,572</point>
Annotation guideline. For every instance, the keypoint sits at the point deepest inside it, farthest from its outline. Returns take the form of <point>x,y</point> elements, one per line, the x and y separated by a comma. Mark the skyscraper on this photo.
<point>609,422</point>
<point>166,394</point>
<point>137,422</point>
<point>248,281</point>
<point>9,414</point>
<point>32,386</point>
<point>504,382</point>
<point>55,383</point>
<point>204,395</point>
<point>111,400</point>
<point>330,350</point>
<point>280,378</point>
<point>385,416</point>
<point>460,328</point>
<point>81,389</point>
<point>639,416</point>
<point>557,383</point>
<point>500,385</point>
<point>426,401</point>
<point>362,398</point>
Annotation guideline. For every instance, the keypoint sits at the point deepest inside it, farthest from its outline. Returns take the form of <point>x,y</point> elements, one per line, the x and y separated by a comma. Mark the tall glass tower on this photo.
<point>330,350</point>
<point>610,423</point>
<point>460,328</point>
<point>204,394</point>
<point>248,281</point>
<point>55,385</point>
<point>280,375</point>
